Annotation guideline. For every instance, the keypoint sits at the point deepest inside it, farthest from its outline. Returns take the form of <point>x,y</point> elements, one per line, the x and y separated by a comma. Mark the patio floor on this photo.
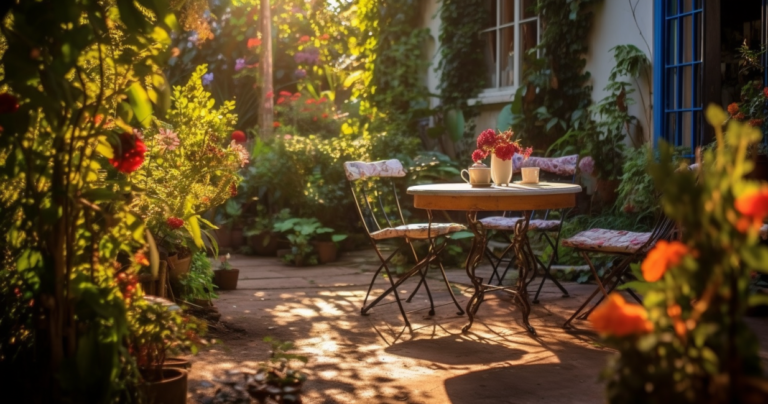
<point>374,359</point>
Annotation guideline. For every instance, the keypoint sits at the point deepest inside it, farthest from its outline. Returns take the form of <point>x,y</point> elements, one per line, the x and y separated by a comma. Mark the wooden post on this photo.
<point>267,106</point>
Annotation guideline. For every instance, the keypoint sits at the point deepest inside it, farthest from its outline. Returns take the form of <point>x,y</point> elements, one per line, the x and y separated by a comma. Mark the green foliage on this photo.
<point>394,94</point>
<point>195,175</point>
<point>198,283</point>
<point>300,232</point>
<point>555,98</point>
<point>460,58</point>
<point>700,349</point>
<point>68,229</point>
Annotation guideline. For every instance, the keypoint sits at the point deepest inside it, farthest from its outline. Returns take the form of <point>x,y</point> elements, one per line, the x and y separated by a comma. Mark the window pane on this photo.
<point>671,7</point>
<point>686,123</point>
<point>671,127</point>
<point>697,101</point>
<point>687,36</point>
<point>527,8</point>
<point>490,59</point>
<point>672,43</point>
<point>507,57</point>
<point>687,5</point>
<point>687,86</point>
<point>507,11</point>
<point>698,48</point>
<point>490,6</point>
<point>529,34</point>
<point>671,89</point>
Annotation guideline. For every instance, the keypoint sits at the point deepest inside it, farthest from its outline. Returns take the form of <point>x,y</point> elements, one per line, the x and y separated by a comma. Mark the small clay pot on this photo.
<point>172,389</point>
<point>264,244</point>
<point>179,268</point>
<point>326,251</point>
<point>226,279</point>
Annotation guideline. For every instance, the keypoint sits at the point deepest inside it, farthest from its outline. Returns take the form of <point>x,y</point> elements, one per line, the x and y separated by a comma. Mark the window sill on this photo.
<point>490,97</point>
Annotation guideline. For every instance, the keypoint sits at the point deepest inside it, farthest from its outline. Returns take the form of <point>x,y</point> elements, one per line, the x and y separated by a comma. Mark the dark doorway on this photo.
<point>741,28</point>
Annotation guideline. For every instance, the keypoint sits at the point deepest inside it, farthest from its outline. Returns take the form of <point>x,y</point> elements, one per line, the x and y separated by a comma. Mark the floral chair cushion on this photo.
<point>564,166</point>
<point>358,170</point>
<point>508,223</point>
<point>417,231</point>
<point>617,241</point>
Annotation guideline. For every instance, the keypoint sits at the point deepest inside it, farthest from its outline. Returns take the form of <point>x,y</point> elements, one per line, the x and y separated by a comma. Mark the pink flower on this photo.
<point>242,154</point>
<point>167,140</point>
<point>239,64</point>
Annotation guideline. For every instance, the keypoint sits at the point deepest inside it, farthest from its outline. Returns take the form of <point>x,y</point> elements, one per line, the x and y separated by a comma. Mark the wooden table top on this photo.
<point>544,195</point>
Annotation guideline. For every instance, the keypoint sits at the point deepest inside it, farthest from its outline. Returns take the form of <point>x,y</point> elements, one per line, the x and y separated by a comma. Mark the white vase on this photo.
<point>501,170</point>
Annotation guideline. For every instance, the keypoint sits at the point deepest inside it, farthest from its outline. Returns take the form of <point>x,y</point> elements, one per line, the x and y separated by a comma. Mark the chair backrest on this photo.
<point>564,166</point>
<point>373,190</point>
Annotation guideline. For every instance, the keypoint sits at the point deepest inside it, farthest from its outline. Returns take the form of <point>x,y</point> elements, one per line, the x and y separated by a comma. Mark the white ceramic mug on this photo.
<point>477,175</point>
<point>530,175</point>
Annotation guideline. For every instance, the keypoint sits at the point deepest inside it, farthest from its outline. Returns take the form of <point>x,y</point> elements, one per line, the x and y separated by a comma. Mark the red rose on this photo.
<point>130,155</point>
<point>285,94</point>
<point>8,104</point>
<point>238,136</point>
<point>275,124</point>
<point>478,155</point>
<point>324,115</point>
<point>174,222</point>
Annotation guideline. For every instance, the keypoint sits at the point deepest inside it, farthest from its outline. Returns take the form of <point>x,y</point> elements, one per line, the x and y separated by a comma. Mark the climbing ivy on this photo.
<point>394,94</point>
<point>461,61</point>
<point>555,95</point>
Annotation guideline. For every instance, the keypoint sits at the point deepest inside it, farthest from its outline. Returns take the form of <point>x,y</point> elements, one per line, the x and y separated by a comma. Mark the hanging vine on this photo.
<point>460,60</point>
<point>555,95</point>
<point>393,92</point>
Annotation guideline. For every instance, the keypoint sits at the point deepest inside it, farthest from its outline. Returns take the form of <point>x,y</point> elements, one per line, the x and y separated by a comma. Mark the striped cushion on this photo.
<point>508,223</point>
<point>417,231</point>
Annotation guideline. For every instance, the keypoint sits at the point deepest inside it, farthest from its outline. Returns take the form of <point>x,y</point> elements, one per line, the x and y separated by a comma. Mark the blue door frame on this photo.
<point>678,70</point>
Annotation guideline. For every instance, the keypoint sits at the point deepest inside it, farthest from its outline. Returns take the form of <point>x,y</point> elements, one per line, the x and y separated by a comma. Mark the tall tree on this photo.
<point>267,90</point>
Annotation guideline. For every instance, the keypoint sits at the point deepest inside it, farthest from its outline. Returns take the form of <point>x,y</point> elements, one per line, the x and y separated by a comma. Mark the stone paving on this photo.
<point>374,359</point>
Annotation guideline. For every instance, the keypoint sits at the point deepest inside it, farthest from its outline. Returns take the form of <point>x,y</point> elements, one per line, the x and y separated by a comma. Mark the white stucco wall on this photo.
<point>613,25</point>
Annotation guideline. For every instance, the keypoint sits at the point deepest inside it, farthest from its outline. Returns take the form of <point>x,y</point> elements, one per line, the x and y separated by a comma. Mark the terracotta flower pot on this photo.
<point>236,239</point>
<point>226,279</point>
<point>179,268</point>
<point>326,251</point>
<point>171,390</point>
<point>607,190</point>
<point>264,244</point>
<point>179,363</point>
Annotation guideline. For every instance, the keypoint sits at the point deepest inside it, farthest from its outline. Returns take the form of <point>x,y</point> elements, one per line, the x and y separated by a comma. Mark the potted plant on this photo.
<point>261,237</point>
<point>327,246</point>
<point>226,277</point>
<point>230,232</point>
<point>300,232</point>
<point>156,331</point>
<point>197,286</point>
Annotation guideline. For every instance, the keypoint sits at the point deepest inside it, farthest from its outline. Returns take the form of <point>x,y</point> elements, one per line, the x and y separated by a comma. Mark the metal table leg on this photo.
<point>525,259</point>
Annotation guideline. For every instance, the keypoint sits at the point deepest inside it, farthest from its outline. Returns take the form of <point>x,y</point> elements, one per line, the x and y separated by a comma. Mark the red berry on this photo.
<point>174,222</point>
<point>238,136</point>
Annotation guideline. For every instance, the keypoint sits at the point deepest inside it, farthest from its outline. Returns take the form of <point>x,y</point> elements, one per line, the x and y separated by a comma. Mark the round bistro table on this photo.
<point>515,197</point>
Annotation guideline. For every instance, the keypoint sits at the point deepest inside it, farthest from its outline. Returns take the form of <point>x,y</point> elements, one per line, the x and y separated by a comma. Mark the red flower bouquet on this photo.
<point>500,144</point>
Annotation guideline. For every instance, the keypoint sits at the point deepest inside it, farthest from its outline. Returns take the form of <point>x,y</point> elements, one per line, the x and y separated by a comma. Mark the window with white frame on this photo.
<point>512,30</point>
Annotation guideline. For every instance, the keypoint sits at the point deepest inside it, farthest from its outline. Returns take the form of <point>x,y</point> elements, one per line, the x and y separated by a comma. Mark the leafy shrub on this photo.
<point>198,283</point>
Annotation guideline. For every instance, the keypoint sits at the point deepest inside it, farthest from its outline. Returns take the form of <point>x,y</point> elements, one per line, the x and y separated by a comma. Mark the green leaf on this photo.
<point>460,235</point>
<point>505,119</point>
<point>154,255</point>
<point>454,122</point>
<point>104,148</point>
<point>192,225</point>
<point>142,106</point>
<point>338,237</point>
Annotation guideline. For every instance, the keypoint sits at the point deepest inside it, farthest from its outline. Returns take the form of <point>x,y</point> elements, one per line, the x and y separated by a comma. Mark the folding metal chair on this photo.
<point>377,203</point>
<point>558,168</point>
<point>629,246</point>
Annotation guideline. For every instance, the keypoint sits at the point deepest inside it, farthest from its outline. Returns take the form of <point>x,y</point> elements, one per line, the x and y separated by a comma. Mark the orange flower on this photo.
<point>304,38</point>
<point>618,318</point>
<point>141,259</point>
<point>253,42</point>
<point>663,256</point>
<point>675,313</point>
<point>755,122</point>
<point>733,109</point>
<point>275,124</point>
<point>753,204</point>
<point>739,116</point>
<point>324,37</point>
